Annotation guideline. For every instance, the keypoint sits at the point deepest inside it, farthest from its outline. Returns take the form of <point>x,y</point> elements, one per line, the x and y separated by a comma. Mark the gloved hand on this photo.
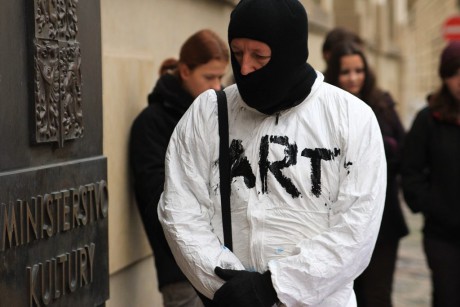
<point>245,289</point>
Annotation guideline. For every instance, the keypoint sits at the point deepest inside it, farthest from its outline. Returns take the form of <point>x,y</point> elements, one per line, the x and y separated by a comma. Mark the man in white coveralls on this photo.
<point>308,175</point>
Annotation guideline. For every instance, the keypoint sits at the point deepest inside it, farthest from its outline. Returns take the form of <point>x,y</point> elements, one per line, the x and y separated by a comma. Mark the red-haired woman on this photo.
<point>203,61</point>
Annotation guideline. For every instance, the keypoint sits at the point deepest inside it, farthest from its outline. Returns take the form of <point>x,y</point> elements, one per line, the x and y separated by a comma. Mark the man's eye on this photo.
<point>262,57</point>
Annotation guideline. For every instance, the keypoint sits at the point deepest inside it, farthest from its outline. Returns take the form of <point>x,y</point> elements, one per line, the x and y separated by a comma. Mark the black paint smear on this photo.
<point>240,166</point>
<point>347,165</point>
<point>275,168</point>
<point>316,155</point>
<point>336,152</point>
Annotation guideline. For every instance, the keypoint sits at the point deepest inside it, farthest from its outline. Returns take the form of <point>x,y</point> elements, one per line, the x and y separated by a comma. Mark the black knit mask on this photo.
<point>287,79</point>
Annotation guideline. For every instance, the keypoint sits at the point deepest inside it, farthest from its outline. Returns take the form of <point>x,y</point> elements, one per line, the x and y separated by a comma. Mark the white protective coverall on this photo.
<point>307,194</point>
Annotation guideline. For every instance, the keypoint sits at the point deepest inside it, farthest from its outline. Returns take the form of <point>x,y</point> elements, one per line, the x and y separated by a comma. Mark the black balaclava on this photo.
<point>287,78</point>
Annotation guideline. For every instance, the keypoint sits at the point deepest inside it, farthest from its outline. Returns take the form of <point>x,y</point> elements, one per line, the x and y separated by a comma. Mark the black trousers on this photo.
<point>374,286</point>
<point>444,262</point>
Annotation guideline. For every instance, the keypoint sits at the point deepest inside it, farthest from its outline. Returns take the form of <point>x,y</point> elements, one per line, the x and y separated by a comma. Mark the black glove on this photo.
<point>245,289</point>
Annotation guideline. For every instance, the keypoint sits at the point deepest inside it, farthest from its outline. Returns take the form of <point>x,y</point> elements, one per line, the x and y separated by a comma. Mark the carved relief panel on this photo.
<point>57,75</point>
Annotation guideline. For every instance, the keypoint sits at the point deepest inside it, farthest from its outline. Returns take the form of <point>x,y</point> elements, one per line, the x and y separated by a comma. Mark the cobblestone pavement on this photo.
<point>412,286</point>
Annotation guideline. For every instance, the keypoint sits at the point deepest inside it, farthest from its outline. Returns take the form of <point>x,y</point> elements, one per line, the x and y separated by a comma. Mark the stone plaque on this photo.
<point>54,234</point>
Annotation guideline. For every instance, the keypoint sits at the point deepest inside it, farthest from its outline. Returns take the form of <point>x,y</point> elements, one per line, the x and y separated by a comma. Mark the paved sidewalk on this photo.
<point>412,286</point>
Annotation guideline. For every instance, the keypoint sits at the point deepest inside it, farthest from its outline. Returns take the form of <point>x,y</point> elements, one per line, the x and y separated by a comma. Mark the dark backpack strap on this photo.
<point>224,168</point>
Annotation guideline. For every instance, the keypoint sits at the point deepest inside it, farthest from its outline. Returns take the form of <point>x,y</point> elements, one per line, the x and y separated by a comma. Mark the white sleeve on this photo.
<point>331,260</point>
<point>185,208</point>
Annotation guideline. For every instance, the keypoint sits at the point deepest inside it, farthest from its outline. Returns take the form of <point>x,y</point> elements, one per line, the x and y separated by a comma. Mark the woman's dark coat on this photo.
<point>149,140</point>
<point>431,175</point>
<point>393,225</point>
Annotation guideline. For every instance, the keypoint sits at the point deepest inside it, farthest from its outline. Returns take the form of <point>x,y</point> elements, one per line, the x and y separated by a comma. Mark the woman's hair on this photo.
<point>338,35</point>
<point>369,93</point>
<point>169,66</point>
<point>442,103</point>
<point>198,49</point>
<point>444,106</point>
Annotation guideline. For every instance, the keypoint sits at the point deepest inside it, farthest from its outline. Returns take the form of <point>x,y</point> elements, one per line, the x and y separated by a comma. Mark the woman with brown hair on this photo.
<point>348,69</point>
<point>431,179</point>
<point>202,63</point>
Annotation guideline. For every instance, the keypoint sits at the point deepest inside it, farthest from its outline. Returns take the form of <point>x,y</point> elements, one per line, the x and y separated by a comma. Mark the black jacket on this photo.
<point>393,225</point>
<point>149,140</point>
<point>431,175</point>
